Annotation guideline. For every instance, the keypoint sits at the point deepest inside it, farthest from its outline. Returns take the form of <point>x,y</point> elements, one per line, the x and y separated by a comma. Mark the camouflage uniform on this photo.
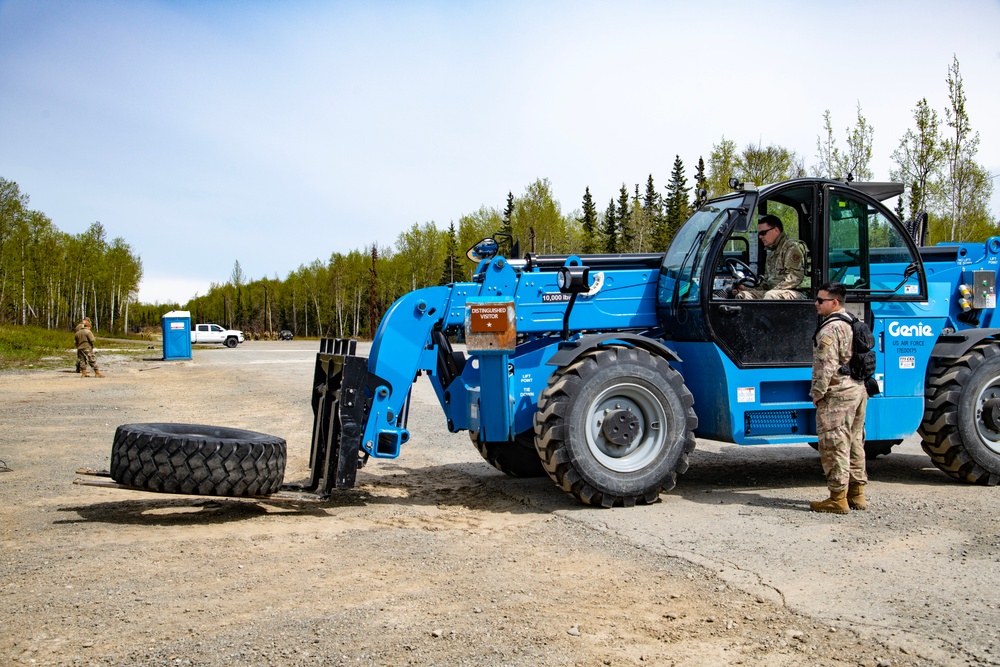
<point>85,349</point>
<point>784,272</point>
<point>840,408</point>
<point>79,363</point>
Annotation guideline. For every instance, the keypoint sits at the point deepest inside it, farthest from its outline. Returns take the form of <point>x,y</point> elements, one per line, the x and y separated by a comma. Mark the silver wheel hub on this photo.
<point>626,427</point>
<point>988,416</point>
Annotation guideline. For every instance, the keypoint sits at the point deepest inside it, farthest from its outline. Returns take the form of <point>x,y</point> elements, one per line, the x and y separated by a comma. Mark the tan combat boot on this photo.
<point>83,373</point>
<point>99,374</point>
<point>835,504</point>
<point>856,497</point>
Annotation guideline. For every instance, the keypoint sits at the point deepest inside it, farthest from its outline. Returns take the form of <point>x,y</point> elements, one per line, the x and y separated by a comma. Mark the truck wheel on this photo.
<point>961,426</point>
<point>231,342</point>
<point>615,427</point>
<point>195,459</point>
<point>517,459</point>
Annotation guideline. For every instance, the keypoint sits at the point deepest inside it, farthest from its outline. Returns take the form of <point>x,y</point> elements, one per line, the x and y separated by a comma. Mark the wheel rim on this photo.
<point>988,415</point>
<point>650,431</point>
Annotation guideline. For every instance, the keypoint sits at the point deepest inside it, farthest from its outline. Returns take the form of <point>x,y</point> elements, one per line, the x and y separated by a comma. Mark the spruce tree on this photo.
<point>508,215</point>
<point>452,262</point>
<point>610,229</point>
<point>652,204</point>
<point>700,183</point>
<point>677,204</point>
<point>624,217</point>
<point>588,224</point>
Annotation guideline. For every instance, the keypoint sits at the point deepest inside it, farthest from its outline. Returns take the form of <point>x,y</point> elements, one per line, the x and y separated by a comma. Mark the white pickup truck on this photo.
<point>213,333</point>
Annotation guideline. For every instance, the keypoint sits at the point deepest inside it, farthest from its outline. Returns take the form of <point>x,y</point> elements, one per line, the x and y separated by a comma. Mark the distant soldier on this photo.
<point>85,349</point>
<point>79,366</point>
<point>840,402</point>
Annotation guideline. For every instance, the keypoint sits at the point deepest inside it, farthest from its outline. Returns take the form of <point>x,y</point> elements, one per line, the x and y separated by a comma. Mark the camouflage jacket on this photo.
<point>84,339</point>
<point>785,268</point>
<point>832,349</point>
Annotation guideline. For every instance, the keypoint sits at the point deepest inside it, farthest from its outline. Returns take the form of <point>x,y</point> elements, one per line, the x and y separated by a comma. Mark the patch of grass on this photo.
<point>23,348</point>
<point>26,347</point>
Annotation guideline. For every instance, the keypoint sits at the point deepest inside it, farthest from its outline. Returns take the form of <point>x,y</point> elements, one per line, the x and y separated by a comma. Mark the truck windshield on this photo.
<point>680,274</point>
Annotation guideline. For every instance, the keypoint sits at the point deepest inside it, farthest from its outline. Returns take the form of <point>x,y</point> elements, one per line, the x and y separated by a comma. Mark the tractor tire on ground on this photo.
<point>961,426</point>
<point>615,427</point>
<point>517,459</point>
<point>196,459</point>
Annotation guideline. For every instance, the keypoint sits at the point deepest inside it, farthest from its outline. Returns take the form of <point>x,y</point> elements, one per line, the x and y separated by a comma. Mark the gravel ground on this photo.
<point>437,559</point>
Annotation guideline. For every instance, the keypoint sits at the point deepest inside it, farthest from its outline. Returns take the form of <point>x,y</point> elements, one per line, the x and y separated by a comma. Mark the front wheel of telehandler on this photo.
<point>615,427</point>
<point>961,426</point>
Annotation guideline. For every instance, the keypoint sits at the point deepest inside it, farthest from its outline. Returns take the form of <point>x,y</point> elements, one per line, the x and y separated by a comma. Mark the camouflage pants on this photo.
<point>786,294</point>
<point>85,358</point>
<point>840,426</point>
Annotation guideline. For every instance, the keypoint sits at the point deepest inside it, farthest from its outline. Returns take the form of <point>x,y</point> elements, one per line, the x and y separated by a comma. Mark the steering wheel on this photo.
<point>741,272</point>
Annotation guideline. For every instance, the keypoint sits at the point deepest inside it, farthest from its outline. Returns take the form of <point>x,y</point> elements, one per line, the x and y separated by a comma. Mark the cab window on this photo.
<point>867,252</point>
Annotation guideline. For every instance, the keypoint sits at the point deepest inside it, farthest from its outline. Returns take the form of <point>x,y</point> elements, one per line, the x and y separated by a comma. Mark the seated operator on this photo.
<point>785,269</point>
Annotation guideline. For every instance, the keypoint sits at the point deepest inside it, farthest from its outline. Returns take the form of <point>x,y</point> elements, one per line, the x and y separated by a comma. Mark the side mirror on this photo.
<point>485,249</point>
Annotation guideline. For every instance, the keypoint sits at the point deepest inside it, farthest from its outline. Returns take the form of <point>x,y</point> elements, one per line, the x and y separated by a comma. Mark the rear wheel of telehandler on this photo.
<point>197,459</point>
<point>615,427</point>
<point>517,459</point>
<point>961,426</point>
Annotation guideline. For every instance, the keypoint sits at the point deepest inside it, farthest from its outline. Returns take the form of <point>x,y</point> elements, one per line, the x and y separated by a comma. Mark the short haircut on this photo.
<point>772,220</point>
<point>838,291</point>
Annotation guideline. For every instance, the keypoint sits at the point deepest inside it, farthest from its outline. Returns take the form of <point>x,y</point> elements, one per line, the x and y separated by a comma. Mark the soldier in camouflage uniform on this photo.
<point>840,404</point>
<point>784,273</point>
<point>79,362</point>
<point>85,349</point>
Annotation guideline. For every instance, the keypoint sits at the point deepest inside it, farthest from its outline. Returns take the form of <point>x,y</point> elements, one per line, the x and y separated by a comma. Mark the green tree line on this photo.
<point>346,294</point>
<point>53,279</point>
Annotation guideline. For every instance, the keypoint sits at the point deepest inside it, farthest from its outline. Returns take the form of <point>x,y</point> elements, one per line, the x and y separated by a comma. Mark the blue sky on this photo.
<point>277,133</point>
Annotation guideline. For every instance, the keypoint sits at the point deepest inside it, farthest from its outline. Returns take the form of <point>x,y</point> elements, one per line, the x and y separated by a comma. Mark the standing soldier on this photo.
<point>840,404</point>
<point>85,349</point>
<point>79,361</point>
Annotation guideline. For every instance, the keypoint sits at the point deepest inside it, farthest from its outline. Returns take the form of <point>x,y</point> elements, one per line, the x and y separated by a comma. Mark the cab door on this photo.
<point>867,251</point>
<point>769,332</point>
<point>870,253</point>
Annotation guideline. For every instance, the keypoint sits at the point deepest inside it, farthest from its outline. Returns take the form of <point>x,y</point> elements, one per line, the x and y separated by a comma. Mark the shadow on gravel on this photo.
<point>188,510</point>
<point>439,486</point>
<point>743,475</point>
<point>470,486</point>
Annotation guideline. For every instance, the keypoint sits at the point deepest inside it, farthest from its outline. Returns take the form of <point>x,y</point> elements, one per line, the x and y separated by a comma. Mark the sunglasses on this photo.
<point>820,299</point>
<point>763,232</point>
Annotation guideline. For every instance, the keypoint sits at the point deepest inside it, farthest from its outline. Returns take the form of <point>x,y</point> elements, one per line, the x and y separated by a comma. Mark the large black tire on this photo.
<point>615,427</point>
<point>517,459</point>
<point>196,459</point>
<point>231,342</point>
<point>961,426</point>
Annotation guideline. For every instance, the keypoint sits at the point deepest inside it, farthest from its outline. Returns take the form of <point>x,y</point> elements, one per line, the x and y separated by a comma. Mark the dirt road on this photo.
<point>437,559</point>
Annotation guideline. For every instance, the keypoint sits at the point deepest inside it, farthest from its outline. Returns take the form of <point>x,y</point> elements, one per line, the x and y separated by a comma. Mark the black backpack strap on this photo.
<point>843,317</point>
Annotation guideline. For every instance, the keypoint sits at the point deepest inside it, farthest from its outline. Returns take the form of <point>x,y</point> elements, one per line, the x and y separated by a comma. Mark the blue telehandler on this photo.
<point>601,370</point>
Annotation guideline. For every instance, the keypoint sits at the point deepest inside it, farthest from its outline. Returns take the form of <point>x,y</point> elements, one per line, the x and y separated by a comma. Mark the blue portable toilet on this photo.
<point>177,335</point>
